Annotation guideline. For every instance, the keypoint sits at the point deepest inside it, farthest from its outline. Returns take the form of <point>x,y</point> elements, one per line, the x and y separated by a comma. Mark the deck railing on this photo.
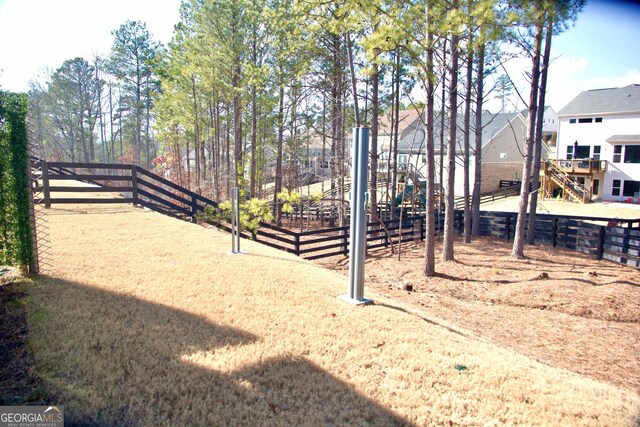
<point>580,165</point>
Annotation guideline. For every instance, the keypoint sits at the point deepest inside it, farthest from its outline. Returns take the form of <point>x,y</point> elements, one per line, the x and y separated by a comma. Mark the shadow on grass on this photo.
<point>115,359</point>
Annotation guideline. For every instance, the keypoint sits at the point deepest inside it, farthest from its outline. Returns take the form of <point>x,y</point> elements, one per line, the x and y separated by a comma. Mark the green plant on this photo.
<point>16,246</point>
<point>289,200</point>
<point>252,213</point>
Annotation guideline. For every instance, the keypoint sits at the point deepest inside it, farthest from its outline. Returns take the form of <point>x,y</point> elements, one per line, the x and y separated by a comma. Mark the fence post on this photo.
<point>194,207</point>
<point>134,184</point>
<point>422,229</point>
<point>600,243</point>
<point>555,232</point>
<point>345,249</point>
<point>297,244</point>
<point>508,227</point>
<point>45,184</point>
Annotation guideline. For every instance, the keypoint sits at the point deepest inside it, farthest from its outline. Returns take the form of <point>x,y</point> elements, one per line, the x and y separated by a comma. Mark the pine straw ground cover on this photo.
<point>147,320</point>
<point>558,306</point>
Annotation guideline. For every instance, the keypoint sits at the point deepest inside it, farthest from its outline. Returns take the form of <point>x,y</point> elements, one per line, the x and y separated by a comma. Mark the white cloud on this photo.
<point>629,77</point>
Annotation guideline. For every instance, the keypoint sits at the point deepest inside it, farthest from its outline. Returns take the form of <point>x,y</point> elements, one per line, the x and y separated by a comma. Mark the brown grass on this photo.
<point>148,320</point>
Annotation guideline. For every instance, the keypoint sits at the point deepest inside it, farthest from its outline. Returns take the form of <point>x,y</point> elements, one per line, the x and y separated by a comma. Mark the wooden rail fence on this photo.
<point>121,184</point>
<point>603,238</point>
<point>614,239</point>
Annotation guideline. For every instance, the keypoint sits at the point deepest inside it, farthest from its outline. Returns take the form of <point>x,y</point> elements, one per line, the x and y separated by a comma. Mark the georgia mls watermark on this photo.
<point>31,416</point>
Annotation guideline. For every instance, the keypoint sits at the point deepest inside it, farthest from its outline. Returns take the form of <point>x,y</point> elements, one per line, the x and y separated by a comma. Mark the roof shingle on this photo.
<point>602,101</point>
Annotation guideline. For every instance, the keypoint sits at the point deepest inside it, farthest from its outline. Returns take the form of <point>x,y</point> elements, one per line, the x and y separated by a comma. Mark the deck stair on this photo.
<point>570,186</point>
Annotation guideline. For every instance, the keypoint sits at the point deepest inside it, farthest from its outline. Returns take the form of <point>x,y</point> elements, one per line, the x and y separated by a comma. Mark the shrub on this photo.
<point>16,246</point>
<point>252,213</point>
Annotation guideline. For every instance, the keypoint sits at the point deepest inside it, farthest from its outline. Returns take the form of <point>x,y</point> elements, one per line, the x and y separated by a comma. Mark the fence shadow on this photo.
<point>115,359</point>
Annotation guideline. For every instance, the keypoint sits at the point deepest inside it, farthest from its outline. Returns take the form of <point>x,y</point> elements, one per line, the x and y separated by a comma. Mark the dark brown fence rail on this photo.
<point>327,242</point>
<point>120,184</point>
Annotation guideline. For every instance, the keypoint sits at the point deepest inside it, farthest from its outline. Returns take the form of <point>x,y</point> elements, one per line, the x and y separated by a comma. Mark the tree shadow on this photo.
<point>115,359</point>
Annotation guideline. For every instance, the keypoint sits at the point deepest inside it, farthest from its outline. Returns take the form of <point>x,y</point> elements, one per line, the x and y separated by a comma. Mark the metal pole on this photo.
<point>237,191</point>
<point>233,221</point>
<point>359,198</point>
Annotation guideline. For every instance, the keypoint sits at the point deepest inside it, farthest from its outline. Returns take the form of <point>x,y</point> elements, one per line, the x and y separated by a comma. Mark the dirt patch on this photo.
<point>557,306</point>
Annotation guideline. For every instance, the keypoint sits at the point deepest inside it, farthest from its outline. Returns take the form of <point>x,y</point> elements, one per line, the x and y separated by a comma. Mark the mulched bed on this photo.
<point>559,307</point>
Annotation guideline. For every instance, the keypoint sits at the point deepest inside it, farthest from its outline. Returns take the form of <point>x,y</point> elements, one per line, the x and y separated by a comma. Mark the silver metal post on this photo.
<point>237,194</point>
<point>233,221</point>
<point>358,223</point>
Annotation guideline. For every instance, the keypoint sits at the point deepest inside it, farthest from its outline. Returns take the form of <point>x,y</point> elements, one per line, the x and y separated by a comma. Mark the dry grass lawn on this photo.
<point>146,320</point>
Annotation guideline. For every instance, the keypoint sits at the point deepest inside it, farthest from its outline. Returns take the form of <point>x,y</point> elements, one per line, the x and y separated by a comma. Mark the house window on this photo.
<point>598,119</point>
<point>424,157</point>
<point>572,120</point>
<point>632,154</point>
<point>596,187</point>
<point>631,188</point>
<point>569,152</point>
<point>596,152</point>
<point>586,120</point>
<point>615,190</point>
<point>583,152</point>
<point>402,159</point>
<point>580,180</point>
<point>617,153</point>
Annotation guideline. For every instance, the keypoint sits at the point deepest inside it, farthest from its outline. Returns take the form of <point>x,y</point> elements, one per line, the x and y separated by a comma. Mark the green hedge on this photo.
<point>16,246</point>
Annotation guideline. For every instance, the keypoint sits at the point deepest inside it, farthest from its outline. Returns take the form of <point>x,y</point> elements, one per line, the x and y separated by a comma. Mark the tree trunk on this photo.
<point>339,119</point>
<point>442,124</point>
<point>447,245</point>
<point>150,154</point>
<point>466,235</point>
<point>196,130</point>
<point>136,137</point>
<point>373,180</point>
<point>477,187</point>
<point>217,146</point>
<point>237,124</point>
<point>537,159</point>
<point>429,268</point>
<point>518,239</point>
<point>227,143</point>
<point>277,212</point>
<point>354,83</point>
<point>396,133</point>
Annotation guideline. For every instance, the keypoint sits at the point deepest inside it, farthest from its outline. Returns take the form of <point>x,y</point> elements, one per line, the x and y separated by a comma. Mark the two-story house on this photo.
<point>503,139</point>
<point>599,143</point>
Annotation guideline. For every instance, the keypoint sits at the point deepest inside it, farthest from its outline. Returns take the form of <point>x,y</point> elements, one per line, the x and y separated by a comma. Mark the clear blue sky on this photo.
<point>601,50</point>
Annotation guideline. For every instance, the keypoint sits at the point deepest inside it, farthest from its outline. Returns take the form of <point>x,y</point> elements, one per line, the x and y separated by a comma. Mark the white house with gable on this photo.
<point>601,128</point>
<point>503,140</point>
